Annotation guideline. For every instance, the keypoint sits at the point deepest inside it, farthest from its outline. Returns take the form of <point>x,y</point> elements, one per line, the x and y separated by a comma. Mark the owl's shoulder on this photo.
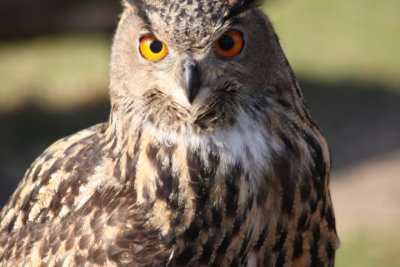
<point>51,177</point>
<point>71,194</point>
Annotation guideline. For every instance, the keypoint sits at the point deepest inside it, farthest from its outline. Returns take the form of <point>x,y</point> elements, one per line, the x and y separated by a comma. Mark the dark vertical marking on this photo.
<point>314,247</point>
<point>261,239</point>
<point>57,165</point>
<point>192,233</point>
<point>207,251</point>
<point>262,196</point>
<point>130,173</point>
<point>280,261</point>
<point>117,170</point>
<point>330,218</point>
<point>152,151</point>
<point>70,164</point>
<point>222,249</point>
<point>232,190</point>
<point>97,256</point>
<point>166,182</point>
<point>44,250</point>
<point>304,220</point>
<point>267,258</point>
<point>245,247</point>
<point>298,246</point>
<point>35,174</point>
<point>27,200</point>
<point>79,259</point>
<point>313,205</point>
<point>55,204</point>
<point>330,251</point>
<point>216,218</point>
<point>282,233</point>
<point>305,190</point>
<point>319,168</point>
<point>186,255</point>
<point>291,147</point>
<point>225,243</point>
<point>199,178</point>
<point>235,263</point>
<point>316,233</point>
<point>283,172</point>
<point>137,144</point>
<point>201,175</point>
<point>237,225</point>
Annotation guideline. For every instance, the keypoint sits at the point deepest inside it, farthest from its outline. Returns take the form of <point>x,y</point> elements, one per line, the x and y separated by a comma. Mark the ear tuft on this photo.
<point>239,6</point>
<point>245,4</point>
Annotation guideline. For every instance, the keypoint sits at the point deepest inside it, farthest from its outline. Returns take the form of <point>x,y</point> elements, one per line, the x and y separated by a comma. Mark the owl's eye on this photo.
<point>229,45</point>
<point>152,49</point>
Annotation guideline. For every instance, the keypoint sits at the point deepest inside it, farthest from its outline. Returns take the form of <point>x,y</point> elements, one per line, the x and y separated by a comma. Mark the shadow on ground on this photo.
<point>360,122</point>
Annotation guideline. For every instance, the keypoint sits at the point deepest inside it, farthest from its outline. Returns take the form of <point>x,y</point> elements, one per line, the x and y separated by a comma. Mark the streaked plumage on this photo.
<point>238,177</point>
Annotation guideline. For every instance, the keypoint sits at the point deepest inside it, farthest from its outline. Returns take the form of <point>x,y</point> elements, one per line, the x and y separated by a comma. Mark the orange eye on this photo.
<point>152,49</point>
<point>229,45</point>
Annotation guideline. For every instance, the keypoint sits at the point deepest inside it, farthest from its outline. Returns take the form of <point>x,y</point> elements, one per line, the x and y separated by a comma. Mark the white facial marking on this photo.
<point>180,97</point>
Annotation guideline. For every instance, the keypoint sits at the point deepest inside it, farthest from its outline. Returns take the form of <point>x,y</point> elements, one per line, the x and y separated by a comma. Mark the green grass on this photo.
<point>370,248</point>
<point>54,71</point>
<point>339,39</point>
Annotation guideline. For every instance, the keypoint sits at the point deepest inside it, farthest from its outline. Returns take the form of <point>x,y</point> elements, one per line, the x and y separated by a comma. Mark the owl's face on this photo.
<point>194,62</point>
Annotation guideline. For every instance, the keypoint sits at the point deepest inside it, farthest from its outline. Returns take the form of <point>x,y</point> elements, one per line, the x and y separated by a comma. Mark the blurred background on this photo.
<point>54,76</point>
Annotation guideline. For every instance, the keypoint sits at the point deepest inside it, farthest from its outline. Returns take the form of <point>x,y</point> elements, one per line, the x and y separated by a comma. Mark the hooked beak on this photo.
<point>191,80</point>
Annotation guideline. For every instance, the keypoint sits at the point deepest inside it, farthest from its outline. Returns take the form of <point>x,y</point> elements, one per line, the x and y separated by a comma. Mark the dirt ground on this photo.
<point>367,195</point>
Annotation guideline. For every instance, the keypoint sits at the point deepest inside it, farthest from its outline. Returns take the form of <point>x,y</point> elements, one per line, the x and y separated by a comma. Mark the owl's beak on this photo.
<point>191,79</point>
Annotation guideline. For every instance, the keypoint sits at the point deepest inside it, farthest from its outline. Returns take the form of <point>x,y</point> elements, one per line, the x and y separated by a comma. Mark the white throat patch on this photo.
<point>245,143</point>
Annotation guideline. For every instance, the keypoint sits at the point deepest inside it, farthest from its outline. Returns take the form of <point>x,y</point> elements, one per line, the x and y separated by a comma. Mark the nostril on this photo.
<point>189,65</point>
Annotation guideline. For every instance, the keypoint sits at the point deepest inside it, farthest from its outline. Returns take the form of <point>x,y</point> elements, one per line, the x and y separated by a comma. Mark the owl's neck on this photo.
<point>179,172</point>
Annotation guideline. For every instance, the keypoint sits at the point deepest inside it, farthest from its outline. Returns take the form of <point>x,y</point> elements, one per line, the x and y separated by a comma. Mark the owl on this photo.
<point>209,157</point>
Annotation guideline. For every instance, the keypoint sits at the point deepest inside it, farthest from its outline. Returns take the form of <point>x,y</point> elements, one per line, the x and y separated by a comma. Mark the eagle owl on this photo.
<point>209,156</point>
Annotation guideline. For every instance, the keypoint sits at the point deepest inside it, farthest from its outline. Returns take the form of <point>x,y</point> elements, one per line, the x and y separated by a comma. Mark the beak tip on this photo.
<point>191,99</point>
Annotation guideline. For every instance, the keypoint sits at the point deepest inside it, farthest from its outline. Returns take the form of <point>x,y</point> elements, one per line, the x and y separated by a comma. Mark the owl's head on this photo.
<point>195,62</point>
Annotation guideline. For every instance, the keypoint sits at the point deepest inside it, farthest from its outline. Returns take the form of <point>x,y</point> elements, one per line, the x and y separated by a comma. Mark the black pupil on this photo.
<point>226,42</point>
<point>156,47</point>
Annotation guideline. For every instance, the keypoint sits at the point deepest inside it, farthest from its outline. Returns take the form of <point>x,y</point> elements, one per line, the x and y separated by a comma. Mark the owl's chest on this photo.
<point>175,168</point>
<point>205,192</point>
<point>243,153</point>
